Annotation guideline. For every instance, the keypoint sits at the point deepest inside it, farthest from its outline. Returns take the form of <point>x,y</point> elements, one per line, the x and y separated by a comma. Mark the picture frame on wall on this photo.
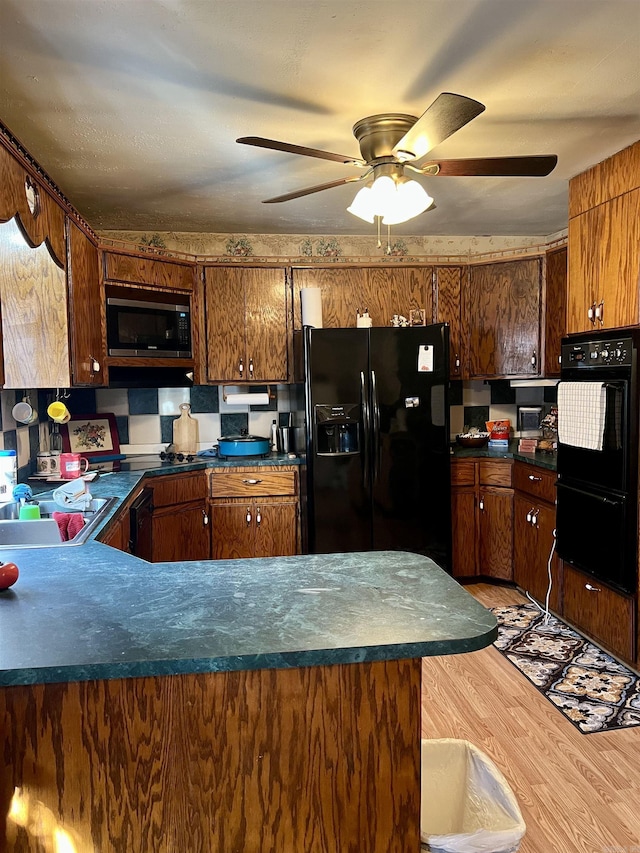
<point>417,317</point>
<point>91,435</point>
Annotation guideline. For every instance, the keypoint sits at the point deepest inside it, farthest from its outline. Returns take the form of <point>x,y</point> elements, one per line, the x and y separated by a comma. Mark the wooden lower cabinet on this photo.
<point>534,526</point>
<point>180,517</point>
<point>257,529</point>
<point>181,533</point>
<point>482,518</point>
<point>599,612</point>
<point>254,513</point>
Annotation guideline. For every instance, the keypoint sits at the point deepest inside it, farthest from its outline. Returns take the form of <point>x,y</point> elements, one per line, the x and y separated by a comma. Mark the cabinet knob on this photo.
<point>591,313</point>
<point>457,361</point>
<point>534,479</point>
<point>205,518</point>
<point>251,368</point>
<point>248,516</point>
<point>599,312</point>
<point>530,515</point>
<point>592,588</point>
<point>534,359</point>
<point>481,504</point>
<point>241,367</point>
<point>258,517</point>
<point>251,482</point>
<point>95,364</point>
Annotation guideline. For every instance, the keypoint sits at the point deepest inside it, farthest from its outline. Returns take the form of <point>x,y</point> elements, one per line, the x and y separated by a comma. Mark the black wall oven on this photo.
<point>597,500</point>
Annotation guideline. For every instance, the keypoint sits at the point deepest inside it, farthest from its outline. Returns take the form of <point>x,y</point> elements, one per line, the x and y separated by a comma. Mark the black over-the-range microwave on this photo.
<point>148,327</point>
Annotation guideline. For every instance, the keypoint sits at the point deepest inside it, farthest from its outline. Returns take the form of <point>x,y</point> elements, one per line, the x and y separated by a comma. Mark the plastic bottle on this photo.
<point>8,474</point>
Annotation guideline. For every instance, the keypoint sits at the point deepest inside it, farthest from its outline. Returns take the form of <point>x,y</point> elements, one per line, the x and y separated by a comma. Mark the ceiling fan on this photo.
<point>391,143</point>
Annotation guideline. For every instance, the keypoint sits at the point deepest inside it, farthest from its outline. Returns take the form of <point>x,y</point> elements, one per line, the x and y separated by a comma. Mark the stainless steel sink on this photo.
<point>44,532</point>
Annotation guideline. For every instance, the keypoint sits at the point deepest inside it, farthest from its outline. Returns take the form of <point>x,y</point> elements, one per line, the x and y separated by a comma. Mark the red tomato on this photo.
<point>8,575</point>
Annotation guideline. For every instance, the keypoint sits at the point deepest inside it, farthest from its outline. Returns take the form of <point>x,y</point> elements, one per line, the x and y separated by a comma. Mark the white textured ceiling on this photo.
<point>133,106</point>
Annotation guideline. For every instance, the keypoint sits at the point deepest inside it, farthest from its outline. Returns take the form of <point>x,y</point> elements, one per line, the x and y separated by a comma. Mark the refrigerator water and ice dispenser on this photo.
<point>337,429</point>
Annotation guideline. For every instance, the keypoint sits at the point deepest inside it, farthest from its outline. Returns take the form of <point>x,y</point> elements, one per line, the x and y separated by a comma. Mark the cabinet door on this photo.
<point>159,272</point>
<point>463,532</point>
<point>448,309</point>
<point>224,301</point>
<point>397,290</point>
<point>533,541</point>
<point>181,533</point>
<point>232,530</point>
<point>266,324</point>
<point>619,263</point>
<point>276,527</point>
<point>504,318</point>
<point>555,310</point>
<point>344,292</point>
<point>85,308</point>
<point>495,533</point>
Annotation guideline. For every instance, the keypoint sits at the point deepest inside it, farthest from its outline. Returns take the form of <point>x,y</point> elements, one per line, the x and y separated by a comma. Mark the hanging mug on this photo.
<point>58,412</point>
<point>23,412</point>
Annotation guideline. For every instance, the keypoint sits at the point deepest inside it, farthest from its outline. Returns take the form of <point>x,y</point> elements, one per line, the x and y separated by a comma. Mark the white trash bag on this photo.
<point>467,805</point>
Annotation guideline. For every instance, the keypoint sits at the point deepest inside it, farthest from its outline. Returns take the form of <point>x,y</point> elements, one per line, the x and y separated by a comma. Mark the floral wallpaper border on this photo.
<point>292,248</point>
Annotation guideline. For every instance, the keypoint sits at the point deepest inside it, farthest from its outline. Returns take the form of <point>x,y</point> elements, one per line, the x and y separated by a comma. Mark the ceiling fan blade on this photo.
<point>273,144</point>
<point>536,166</point>
<point>447,114</point>
<point>316,189</point>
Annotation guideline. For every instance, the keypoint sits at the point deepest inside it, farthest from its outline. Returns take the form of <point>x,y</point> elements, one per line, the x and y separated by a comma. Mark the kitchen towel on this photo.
<point>69,524</point>
<point>582,408</point>
<point>73,495</point>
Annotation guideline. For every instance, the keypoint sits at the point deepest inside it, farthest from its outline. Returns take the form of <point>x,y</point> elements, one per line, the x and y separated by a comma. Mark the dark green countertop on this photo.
<point>542,460</point>
<point>95,613</point>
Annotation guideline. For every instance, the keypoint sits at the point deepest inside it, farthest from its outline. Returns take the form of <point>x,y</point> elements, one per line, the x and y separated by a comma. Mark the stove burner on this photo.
<point>177,457</point>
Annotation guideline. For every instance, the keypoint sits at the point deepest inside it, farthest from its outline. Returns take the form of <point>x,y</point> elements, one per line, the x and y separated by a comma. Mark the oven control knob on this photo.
<point>604,353</point>
<point>618,353</point>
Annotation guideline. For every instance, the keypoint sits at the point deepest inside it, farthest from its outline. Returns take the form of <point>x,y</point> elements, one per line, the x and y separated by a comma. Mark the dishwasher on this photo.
<point>141,526</point>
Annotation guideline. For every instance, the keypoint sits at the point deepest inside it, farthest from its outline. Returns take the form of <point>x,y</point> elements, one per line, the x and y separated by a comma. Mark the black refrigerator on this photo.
<point>378,459</point>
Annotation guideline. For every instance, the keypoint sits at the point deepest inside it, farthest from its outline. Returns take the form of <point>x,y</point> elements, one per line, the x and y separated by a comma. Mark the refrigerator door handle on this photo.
<point>366,428</point>
<point>376,426</point>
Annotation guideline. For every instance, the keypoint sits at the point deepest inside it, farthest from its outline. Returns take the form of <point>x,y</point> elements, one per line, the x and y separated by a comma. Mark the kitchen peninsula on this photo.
<point>237,705</point>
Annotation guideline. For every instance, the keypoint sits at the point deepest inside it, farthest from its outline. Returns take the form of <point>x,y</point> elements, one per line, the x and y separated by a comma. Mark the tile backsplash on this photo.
<point>145,416</point>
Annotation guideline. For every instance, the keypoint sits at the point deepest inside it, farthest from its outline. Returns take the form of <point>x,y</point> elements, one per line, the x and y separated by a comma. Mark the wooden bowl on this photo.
<point>475,440</point>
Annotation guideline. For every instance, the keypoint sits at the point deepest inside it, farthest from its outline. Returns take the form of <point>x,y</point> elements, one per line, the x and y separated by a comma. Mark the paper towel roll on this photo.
<point>247,399</point>
<point>311,302</point>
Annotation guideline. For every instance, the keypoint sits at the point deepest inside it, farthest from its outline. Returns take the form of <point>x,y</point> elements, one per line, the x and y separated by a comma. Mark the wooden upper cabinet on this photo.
<point>247,333</point>
<point>134,269</point>
<point>555,309</point>
<point>448,309</point>
<point>383,291</point>
<point>604,265</point>
<point>503,315</point>
<point>86,312</point>
<point>604,244</point>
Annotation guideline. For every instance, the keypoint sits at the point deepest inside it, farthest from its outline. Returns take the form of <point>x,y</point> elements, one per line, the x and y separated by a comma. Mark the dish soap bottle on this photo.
<point>274,436</point>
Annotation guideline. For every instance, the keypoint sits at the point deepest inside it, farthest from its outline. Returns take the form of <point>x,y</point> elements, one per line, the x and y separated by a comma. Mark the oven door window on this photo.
<point>593,535</point>
<point>607,468</point>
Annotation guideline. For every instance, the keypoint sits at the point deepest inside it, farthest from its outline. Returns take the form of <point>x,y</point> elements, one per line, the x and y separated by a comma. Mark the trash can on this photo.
<point>467,805</point>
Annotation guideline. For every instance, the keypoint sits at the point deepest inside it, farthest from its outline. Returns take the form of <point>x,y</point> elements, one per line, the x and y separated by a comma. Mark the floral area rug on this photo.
<point>593,690</point>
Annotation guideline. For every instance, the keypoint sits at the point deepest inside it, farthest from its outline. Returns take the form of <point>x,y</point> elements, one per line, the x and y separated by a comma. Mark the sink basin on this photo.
<point>44,532</point>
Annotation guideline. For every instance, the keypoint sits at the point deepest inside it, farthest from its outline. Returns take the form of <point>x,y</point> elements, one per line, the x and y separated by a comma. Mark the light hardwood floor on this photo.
<point>578,793</point>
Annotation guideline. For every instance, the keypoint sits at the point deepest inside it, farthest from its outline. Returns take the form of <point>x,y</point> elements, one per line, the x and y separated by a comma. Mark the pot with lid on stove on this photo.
<point>243,445</point>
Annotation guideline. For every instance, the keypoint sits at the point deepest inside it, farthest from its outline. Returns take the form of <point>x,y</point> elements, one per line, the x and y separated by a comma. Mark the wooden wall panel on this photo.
<point>448,309</point>
<point>86,308</point>
<point>33,290</point>
<point>606,180</point>
<point>319,759</point>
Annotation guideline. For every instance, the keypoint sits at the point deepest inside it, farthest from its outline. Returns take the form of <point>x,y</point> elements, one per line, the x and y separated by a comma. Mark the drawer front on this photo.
<point>540,483</point>
<point>495,473</point>
<point>600,612</point>
<point>248,483</point>
<point>178,488</point>
<point>463,472</point>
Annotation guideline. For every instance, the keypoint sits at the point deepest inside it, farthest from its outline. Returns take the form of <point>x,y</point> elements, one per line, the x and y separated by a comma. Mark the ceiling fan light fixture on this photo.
<point>361,206</point>
<point>410,200</point>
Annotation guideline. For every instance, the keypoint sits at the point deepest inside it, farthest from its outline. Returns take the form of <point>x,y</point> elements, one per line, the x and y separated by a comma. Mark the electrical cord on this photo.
<point>545,609</point>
